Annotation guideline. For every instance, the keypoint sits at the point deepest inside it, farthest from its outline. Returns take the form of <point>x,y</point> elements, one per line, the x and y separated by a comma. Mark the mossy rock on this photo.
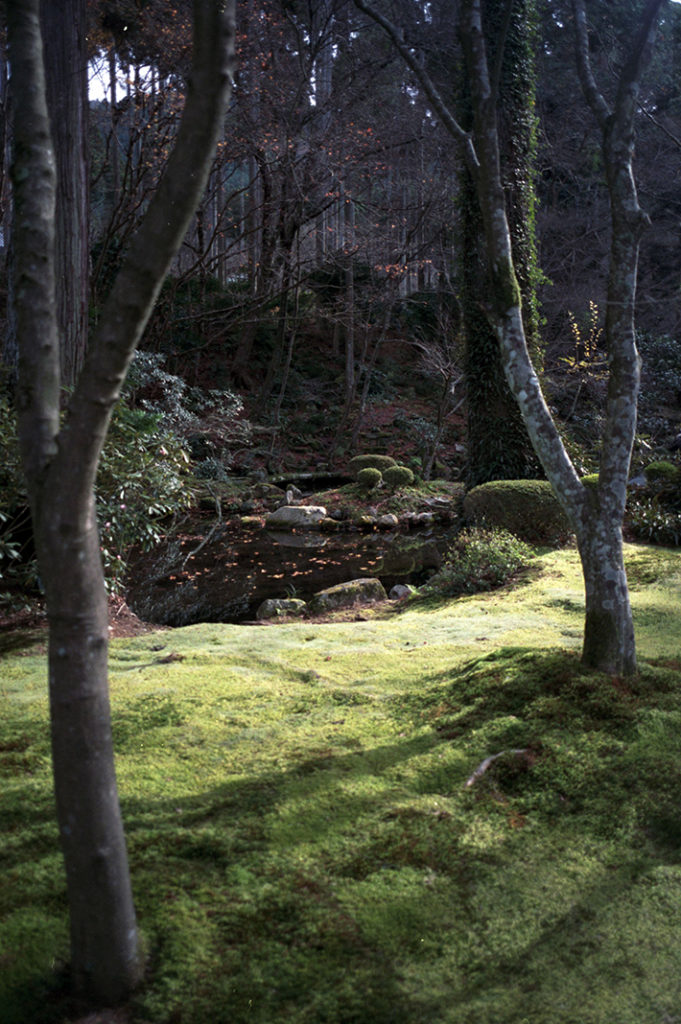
<point>360,462</point>
<point>346,595</point>
<point>398,476</point>
<point>369,477</point>
<point>527,508</point>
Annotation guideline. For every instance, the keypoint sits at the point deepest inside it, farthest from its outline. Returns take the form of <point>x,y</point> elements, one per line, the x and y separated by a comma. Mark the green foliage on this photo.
<point>380,462</point>
<point>398,476</point>
<point>142,480</point>
<point>648,520</point>
<point>527,508</point>
<point>369,477</point>
<point>663,473</point>
<point>653,512</point>
<point>479,559</point>
<point>15,520</point>
<point>211,420</point>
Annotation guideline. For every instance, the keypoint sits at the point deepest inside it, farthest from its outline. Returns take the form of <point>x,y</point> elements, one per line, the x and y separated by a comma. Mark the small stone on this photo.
<point>274,607</point>
<point>387,522</point>
<point>401,590</point>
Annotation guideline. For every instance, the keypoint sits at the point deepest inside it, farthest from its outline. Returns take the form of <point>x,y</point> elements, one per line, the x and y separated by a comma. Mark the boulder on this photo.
<point>389,521</point>
<point>275,607</point>
<point>295,517</point>
<point>345,595</point>
<point>401,590</point>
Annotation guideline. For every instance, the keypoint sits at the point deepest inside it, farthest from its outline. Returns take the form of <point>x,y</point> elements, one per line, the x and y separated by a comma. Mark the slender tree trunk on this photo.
<point>60,465</point>
<point>64,26</point>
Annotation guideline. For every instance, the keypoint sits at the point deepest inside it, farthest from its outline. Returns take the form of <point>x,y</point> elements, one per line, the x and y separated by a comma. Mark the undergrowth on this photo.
<point>303,842</point>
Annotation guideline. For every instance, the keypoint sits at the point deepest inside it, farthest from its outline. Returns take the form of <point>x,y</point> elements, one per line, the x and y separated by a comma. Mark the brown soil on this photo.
<point>122,622</point>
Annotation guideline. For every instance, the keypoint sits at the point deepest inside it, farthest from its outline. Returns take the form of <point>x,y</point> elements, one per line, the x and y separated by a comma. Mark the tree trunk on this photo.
<point>609,642</point>
<point>60,465</point>
<point>64,28</point>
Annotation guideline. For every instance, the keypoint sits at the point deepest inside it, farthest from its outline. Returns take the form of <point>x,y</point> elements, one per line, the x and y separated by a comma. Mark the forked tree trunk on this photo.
<point>60,465</point>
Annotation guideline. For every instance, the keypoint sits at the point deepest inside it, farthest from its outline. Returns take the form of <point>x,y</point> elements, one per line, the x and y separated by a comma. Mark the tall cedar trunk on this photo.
<point>64,28</point>
<point>60,465</point>
<point>499,447</point>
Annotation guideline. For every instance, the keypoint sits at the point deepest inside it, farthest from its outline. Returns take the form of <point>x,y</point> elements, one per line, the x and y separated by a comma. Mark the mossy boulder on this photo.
<point>369,477</point>
<point>398,476</point>
<point>274,607</point>
<point>360,462</point>
<point>527,508</point>
<point>346,595</point>
<point>295,517</point>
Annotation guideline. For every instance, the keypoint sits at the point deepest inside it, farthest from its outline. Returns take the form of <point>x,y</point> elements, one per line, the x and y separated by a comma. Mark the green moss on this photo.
<point>302,842</point>
<point>360,462</point>
<point>527,508</point>
<point>369,477</point>
<point>398,476</point>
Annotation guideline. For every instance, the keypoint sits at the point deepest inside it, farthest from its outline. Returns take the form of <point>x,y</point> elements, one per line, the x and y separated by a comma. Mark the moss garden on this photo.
<point>305,848</point>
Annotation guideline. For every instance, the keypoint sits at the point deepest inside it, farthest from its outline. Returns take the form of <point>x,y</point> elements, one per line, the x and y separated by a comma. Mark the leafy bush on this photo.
<point>398,476</point>
<point>210,421</point>
<point>369,477</point>
<point>142,479</point>
<point>360,462</point>
<point>648,520</point>
<point>479,559</point>
<point>663,473</point>
<point>527,508</point>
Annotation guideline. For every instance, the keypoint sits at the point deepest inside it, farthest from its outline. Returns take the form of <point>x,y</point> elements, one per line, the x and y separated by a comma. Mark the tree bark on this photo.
<point>60,465</point>
<point>64,28</point>
<point>596,516</point>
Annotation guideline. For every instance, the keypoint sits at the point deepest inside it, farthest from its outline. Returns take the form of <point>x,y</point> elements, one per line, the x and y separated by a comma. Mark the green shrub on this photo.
<point>142,479</point>
<point>648,520</point>
<point>527,508</point>
<point>369,478</point>
<point>665,473</point>
<point>479,559</point>
<point>398,476</point>
<point>360,462</point>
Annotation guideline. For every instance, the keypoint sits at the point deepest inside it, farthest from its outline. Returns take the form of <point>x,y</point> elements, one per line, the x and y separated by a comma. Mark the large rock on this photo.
<point>274,607</point>
<point>345,595</point>
<point>295,517</point>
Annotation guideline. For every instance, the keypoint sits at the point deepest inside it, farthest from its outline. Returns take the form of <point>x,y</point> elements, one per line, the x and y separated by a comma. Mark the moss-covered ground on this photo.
<point>303,844</point>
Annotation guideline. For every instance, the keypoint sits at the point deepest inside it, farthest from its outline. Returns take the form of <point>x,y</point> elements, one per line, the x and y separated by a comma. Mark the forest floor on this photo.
<point>304,842</point>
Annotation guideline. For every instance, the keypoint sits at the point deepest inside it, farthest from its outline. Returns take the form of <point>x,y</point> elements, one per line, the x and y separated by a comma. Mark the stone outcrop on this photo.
<point>274,608</point>
<point>345,595</point>
<point>295,517</point>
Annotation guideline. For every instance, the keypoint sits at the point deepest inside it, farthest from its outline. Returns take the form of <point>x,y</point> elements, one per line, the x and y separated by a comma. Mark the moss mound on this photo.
<point>360,462</point>
<point>527,508</point>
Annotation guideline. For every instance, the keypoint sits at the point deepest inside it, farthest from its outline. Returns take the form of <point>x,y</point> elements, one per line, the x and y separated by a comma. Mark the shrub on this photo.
<point>662,472</point>
<point>648,520</point>
<point>360,462</point>
<point>369,478</point>
<point>398,476</point>
<point>527,508</point>
<point>142,479</point>
<point>479,559</point>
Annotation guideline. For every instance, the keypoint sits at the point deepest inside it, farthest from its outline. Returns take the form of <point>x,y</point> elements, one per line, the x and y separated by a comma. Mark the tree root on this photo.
<point>484,765</point>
